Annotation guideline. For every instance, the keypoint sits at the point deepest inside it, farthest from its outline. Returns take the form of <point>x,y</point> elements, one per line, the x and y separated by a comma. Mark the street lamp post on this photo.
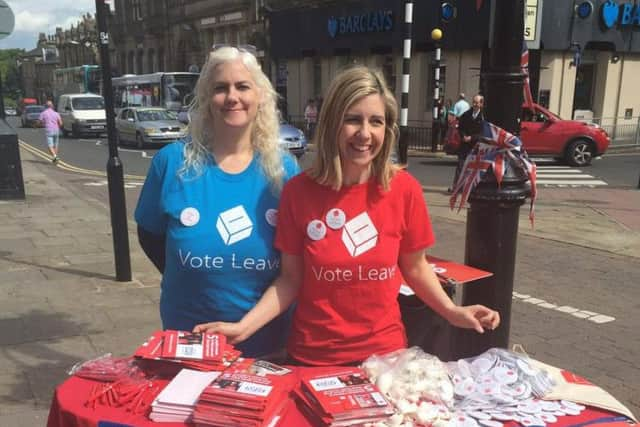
<point>115,173</point>
<point>492,219</point>
<point>436,36</point>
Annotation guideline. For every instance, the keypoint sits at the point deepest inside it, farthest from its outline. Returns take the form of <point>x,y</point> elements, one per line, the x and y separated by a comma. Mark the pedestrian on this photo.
<point>470,129</point>
<point>439,125</point>
<point>461,106</point>
<point>52,122</point>
<point>363,227</point>
<point>208,209</point>
<point>311,117</point>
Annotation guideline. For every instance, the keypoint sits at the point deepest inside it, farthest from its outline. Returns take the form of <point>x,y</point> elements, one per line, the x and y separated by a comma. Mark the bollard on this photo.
<point>492,219</point>
<point>491,242</point>
<point>11,181</point>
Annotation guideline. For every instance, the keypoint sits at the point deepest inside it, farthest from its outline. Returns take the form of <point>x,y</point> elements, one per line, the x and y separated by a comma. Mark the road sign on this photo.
<point>7,20</point>
<point>532,23</point>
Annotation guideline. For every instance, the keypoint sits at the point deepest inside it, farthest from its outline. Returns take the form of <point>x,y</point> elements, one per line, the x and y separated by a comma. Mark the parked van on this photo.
<point>82,113</point>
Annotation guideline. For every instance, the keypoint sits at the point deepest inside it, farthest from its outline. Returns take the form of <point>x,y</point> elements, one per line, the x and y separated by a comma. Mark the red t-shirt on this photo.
<point>350,240</point>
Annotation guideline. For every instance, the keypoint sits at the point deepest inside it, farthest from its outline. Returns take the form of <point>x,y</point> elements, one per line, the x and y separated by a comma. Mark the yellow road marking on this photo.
<point>68,167</point>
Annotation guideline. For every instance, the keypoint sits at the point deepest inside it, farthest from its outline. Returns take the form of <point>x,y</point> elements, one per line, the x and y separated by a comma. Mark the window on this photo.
<point>136,10</point>
<point>431,86</point>
<point>317,77</point>
<point>388,71</point>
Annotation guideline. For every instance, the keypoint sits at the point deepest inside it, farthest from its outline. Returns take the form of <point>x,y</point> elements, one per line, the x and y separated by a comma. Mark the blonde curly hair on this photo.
<point>265,129</point>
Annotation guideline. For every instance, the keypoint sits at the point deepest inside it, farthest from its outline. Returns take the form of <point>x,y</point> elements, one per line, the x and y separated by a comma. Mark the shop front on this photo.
<point>590,57</point>
<point>310,45</point>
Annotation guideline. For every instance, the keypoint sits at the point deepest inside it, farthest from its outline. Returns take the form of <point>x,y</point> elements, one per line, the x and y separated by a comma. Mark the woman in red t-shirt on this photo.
<point>349,229</point>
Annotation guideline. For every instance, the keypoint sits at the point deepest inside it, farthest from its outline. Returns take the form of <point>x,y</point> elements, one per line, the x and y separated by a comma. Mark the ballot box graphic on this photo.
<point>359,234</point>
<point>234,225</point>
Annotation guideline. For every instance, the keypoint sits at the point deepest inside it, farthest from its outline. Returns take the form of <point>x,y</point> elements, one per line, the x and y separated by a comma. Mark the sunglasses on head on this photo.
<point>248,48</point>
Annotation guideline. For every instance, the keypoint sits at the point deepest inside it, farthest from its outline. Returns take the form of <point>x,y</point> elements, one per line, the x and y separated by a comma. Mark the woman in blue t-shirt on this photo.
<point>208,209</point>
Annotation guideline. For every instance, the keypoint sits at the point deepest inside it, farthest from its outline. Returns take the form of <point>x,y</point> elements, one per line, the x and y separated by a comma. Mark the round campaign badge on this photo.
<point>438,270</point>
<point>271,215</point>
<point>316,230</point>
<point>336,218</point>
<point>189,217</point>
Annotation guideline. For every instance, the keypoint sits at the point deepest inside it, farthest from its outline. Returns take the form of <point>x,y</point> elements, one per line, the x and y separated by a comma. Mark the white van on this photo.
<point>82,113</point>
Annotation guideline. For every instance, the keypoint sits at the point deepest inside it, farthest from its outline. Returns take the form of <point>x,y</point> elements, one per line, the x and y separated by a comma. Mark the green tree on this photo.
<point>11,84</point>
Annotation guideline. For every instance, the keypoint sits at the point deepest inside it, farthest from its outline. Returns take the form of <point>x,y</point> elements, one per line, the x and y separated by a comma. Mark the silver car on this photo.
<point>292,139</point>
<point>144,125</point>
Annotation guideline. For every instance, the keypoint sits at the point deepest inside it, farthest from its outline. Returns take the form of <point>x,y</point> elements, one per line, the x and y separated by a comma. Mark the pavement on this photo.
<point>60,302</point>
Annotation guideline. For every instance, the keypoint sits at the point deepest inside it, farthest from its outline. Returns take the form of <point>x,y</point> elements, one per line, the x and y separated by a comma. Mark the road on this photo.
<point>573,306</point>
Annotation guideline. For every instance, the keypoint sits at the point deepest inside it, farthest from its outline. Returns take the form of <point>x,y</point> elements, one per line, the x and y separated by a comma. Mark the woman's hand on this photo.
<point>234,332</point>
<point>476,317</point>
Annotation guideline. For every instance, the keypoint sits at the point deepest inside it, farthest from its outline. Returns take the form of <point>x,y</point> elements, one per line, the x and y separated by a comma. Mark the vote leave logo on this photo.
<point>609,13</point>
<point>332,26</point>
<point>359,235</point>
<point>234,225</point>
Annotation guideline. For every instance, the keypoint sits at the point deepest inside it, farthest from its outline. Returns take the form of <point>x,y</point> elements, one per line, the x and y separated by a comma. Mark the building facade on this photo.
<point>36,69</point>
<point>78,44</point>
<point>582,64</point>
<point>175,35</point>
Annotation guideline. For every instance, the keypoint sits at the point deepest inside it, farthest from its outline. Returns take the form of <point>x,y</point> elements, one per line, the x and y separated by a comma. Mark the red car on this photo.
<point>545,134</point>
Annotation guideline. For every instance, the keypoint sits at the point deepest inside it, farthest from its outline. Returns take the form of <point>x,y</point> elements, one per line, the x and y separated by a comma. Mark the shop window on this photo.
<point>388,71</point>
<point>432,85</point>
<point>136,9</point>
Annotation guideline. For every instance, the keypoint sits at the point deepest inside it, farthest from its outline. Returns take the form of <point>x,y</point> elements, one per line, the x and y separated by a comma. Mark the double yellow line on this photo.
<point>70,168</point>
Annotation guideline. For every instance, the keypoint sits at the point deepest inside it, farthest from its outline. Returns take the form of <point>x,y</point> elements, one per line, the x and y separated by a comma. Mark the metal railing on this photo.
<point>624,132</point>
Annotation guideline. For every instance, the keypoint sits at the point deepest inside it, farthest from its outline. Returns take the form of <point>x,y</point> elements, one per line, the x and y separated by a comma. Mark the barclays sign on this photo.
<point>378,21</point>
<point>624,14</point>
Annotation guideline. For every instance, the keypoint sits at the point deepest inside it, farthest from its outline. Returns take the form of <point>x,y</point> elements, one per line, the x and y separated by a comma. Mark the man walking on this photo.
<point>470,128</point>
<point>52,123</point>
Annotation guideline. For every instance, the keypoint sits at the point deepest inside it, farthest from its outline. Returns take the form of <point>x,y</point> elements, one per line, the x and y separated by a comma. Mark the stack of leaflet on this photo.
<point>178,399</point>
<point>343,397</point>
<point>251,393</point>
<point>200,351</point>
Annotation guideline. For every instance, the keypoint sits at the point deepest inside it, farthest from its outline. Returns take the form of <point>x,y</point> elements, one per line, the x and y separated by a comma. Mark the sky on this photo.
<point>42,16</point>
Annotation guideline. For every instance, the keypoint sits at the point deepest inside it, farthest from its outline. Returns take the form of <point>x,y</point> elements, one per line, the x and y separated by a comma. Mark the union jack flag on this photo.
<point>495,147</point>
<point>524,67</point>
<point>475,166</point>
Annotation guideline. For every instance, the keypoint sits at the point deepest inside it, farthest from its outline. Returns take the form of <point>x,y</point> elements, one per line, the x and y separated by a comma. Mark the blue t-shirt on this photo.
<point>219,251</point>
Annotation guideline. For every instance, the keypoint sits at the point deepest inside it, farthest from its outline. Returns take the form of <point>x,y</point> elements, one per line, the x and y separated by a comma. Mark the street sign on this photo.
<point>532,23</point>
<point>7,20</point>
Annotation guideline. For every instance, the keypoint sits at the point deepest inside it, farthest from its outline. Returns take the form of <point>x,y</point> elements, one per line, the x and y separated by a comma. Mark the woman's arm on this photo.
<point>422,279</point>
<point>153,247</point>
<point>276,299</point>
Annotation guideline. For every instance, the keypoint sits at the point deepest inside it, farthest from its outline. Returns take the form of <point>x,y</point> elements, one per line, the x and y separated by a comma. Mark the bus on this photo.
<point>80,79</point>
<point>170,90</point>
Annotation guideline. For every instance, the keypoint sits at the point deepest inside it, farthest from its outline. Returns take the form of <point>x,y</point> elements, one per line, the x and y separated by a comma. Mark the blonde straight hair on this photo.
<point>349,87</point>
<point>265,129</point>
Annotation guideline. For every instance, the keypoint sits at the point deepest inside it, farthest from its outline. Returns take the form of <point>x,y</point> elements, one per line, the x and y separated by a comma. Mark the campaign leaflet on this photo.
<point>317,417</point>
<point>345,394</point>
<point>192,345</point>
<point>248,393</point>
<point>220,353</point>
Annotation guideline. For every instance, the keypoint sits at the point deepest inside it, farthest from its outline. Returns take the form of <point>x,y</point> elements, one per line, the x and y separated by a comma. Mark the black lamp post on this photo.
<point>115,173</point>
<point>492,219</point>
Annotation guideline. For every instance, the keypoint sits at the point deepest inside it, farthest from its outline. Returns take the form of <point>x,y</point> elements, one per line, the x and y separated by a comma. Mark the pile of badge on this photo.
<point>500,386</point>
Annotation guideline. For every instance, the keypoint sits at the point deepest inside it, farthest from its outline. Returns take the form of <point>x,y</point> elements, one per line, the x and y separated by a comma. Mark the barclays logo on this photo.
<point>377,21</point>
<point>625,14</point>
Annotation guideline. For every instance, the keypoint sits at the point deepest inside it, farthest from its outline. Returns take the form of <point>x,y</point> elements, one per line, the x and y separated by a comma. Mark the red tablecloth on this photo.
<point>68,410</point>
